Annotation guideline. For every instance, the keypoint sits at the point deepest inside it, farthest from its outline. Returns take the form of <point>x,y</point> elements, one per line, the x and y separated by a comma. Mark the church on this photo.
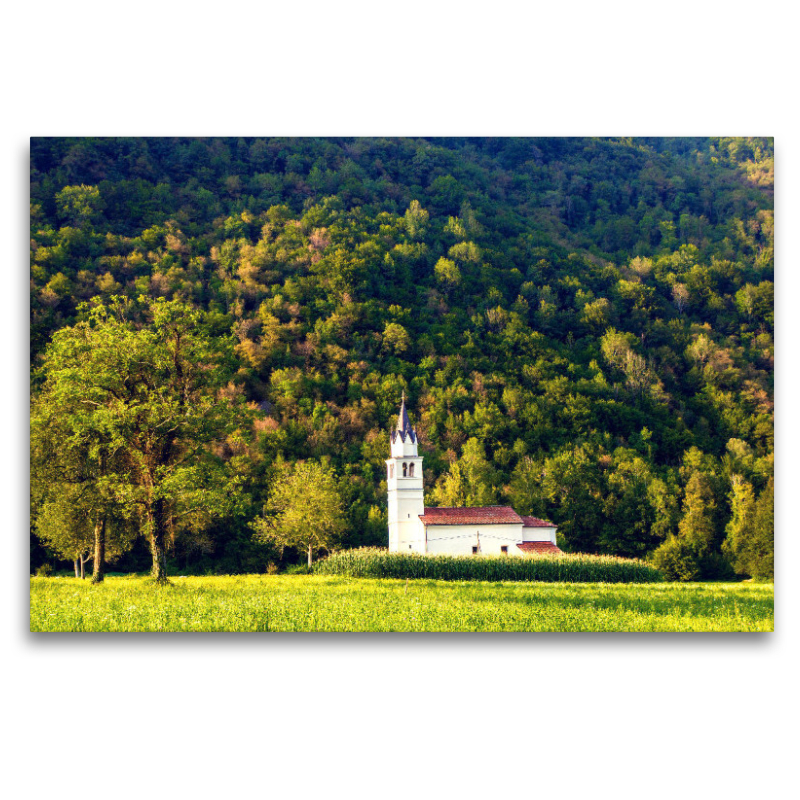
<point>482,530</point>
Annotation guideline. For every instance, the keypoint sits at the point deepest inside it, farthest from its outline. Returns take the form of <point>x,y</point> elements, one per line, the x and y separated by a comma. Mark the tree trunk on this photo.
<point>309,556</point>
<point>99,572</point>
<point>85,559</point>
<point>158,539</point>
<point>75,564</point>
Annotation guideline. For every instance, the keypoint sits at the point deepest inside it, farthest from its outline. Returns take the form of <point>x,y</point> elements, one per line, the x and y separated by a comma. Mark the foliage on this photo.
<point>132,412</point>
<point>696,527</point>
<point>379,563</point>
<point>69,522</point>
<point>470,481</point>
<point>591,311</point>
<point>304,510</point>
<point>333,603</point>
<point>677,560</point>
<point>750,538</point>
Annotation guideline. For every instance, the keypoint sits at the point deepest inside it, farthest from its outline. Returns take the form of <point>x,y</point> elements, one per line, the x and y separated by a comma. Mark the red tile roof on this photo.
<point>540,547</point>
<point>477,515</point>
<point>535,522</point>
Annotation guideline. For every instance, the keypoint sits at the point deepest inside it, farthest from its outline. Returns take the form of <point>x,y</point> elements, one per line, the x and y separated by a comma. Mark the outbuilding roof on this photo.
<point>540,547</point>
<point>535,522</point>
<point>477,515</point>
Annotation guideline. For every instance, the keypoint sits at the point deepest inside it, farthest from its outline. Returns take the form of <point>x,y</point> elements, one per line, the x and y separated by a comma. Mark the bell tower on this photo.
<point>404,479</point>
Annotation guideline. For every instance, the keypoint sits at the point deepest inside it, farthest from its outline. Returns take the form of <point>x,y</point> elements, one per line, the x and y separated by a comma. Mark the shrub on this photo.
<point>45,571</point>
<point>578,568</point>
<point>297,569</point>
<point>675,558</point>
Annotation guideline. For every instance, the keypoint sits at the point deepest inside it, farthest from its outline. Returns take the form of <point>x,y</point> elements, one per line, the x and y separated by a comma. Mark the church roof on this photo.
<point>535,522</point>
<point>540,547</point>
<point>404,428</point>
<point>476,515</point>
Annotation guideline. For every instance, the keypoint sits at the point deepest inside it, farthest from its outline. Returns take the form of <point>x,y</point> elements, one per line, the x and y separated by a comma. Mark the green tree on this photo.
<point>573,487</point>
<point>78,528</point>
<point>763,547</point>
<point>683,557</point>
<point>76,469</point>
<point>749,542</point>
<point>62,526</point>
<point>152,400</point>
<point>470,481</point>
<point>395,338</point>
<point>416,220</point>
<point>466,252</point>
<point>447,273</point>
<point>304,510</point>
<point>596,313</point>
<point>78,205</point>
<point>697,527</point>
<point>628,510</point>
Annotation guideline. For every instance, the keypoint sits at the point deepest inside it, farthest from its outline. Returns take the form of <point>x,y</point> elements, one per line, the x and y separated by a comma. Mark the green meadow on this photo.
<point>265,603</point>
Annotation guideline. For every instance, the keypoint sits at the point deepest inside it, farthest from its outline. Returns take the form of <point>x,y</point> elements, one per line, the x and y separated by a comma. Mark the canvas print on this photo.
<point>402,384</point>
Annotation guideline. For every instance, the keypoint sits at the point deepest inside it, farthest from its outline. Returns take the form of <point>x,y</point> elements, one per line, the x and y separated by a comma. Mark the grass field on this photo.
<point>324,603</point>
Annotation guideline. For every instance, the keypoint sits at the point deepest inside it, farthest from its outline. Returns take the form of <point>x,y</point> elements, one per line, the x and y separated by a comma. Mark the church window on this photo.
<point>411,470</point>
<point>391,470</point>
<point>474,550</point>
<point>504,549</point>
<point>405,470</point>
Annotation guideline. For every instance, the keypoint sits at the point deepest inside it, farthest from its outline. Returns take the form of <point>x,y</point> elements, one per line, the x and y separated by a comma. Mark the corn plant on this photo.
<point>573,568</point>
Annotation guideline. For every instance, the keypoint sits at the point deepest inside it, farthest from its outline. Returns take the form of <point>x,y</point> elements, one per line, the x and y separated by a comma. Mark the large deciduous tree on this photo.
<point>750,532</point>
<point>141,393</point>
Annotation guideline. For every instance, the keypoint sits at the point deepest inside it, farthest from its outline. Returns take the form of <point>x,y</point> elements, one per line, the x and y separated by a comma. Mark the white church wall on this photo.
<point>406,532</point>
<point>539,535</point>
<point>410,537</point>
<point>460,539</point>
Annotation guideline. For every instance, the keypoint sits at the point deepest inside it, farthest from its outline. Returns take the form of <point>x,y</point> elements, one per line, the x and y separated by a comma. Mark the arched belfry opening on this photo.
<point>405,470</point>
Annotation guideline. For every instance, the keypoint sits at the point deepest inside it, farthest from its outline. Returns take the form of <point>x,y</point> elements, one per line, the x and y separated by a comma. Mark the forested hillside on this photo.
<point>583,328</point>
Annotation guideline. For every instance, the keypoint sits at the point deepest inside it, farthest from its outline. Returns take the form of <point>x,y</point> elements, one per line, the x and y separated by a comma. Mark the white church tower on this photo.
<point>404,478</point>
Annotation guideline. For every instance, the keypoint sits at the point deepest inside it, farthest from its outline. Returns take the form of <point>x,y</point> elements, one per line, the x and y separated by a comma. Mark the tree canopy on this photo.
<point>583,327</point>
<point>132,403</point>
<point>304,510</point>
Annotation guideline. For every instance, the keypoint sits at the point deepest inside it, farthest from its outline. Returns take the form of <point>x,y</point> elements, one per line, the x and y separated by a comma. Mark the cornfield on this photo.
<point>574,568</point>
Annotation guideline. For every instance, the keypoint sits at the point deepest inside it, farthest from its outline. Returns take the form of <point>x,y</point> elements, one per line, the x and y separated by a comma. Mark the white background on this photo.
<point>623,716</point>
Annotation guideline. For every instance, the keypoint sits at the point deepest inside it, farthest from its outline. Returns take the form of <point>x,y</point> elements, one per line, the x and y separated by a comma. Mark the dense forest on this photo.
<point>583,328</point>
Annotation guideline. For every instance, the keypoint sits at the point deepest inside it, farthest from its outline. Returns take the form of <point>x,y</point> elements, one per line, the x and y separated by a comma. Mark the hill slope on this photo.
<point>584,327</point>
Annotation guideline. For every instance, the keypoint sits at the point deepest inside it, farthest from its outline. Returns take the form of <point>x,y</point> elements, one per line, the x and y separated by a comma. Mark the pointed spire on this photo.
<point>404,423</point>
